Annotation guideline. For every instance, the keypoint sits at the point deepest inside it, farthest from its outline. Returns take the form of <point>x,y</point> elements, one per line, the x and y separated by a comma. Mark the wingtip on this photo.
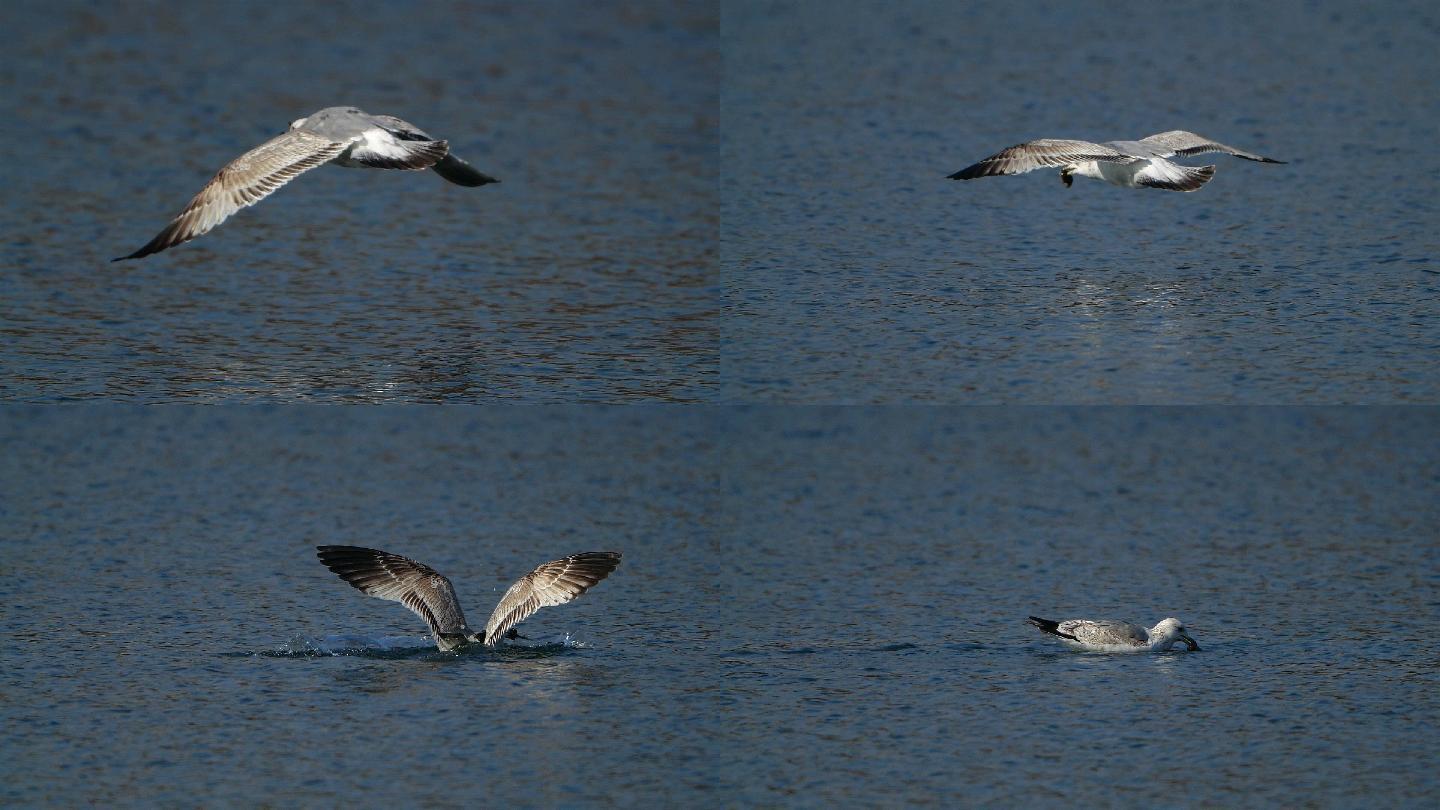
<point>972,172</point>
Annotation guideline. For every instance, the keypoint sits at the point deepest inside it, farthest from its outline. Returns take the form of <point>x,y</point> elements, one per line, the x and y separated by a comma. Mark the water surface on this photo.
<point>586,275</point>
<point>855,272</point>
<point>816,606</point>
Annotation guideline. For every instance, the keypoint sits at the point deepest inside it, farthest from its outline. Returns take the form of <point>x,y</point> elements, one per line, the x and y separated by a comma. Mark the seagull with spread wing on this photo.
<point>430,595</point>
<point>344,136</point>
<point>1131,164</point>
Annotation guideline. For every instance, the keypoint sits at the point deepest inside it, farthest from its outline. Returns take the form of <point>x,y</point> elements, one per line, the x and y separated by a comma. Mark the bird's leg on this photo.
<point>1065,176</point>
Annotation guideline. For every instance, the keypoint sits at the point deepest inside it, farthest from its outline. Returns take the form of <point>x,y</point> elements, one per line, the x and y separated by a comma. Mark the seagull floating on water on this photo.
<point>344,136</point>
<point>431,596</point>
<point>1131,164</point>
<point>1113,636</point>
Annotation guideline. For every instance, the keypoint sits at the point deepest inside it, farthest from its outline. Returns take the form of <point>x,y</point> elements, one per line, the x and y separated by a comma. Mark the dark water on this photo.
<point>587,275</point>
<point>855,272</point>
<point>817,606</point>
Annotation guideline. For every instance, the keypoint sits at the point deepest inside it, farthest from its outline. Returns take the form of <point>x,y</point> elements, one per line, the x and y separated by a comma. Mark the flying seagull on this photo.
<point>430,595</point>
<point>1121,163</point>
<point>1114,636</point>
<point>344,136</point>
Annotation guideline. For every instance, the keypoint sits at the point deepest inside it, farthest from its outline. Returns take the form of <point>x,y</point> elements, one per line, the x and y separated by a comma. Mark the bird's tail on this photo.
<point>461,173</point>
<point>1045,625</point>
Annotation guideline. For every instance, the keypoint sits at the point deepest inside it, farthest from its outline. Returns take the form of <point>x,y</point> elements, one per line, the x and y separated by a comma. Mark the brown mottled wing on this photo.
<point>1039,154</point>
<point>1180,142</point>
<point>247,180</point>
<point>1105,632</point>
<point>389,576</point>
<point>553,583</point>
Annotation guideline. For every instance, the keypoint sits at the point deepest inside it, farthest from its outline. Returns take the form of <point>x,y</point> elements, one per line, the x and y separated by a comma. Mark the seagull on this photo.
<point>1130,164</point>
<point>345,136</point>
<point>431,596</point>
<point>1114,636</point>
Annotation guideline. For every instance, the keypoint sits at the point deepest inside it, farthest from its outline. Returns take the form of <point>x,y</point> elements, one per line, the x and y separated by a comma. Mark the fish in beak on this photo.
<point>1189,643</point>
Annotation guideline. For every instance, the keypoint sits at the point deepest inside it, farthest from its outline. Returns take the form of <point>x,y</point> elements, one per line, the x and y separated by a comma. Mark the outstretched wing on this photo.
<point>247,180</point>
<point>389,576</point>
<point>1032,155</point>
<point>553,583</point>
<point>1180,142</point>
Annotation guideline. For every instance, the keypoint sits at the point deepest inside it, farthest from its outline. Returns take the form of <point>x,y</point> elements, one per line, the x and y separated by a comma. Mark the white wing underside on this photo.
<point>553,583</point>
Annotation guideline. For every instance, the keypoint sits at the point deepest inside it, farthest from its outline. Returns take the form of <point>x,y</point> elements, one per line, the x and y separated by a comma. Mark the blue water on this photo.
<point>740,207</point>
<point>816,607</point>
<point>855,272</point>
<point>586,275</point>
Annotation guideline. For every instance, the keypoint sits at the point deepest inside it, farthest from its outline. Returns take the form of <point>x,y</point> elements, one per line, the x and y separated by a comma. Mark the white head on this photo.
<point>1169,631</point>
<point>297,122</point>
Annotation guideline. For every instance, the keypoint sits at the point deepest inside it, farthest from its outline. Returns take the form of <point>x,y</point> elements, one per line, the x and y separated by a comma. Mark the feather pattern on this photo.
<point>1040,154</point>
<point>430,595</point>
<point>553,583</point>
<point>1180,142</point>
<point>245,181</point>
<point>417,586</point>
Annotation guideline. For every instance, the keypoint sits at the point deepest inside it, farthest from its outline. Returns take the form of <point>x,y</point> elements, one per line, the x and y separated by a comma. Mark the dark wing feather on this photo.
<point>415,585</point>
<point>461,173</point>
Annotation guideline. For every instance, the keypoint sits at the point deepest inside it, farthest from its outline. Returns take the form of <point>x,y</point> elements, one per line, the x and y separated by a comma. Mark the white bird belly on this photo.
<point>1116,174</point>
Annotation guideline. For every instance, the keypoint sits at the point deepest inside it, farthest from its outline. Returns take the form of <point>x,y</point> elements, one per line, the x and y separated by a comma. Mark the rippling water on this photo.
<point>816,606</point>
<point>587,275</point>
<point>856,272</point>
